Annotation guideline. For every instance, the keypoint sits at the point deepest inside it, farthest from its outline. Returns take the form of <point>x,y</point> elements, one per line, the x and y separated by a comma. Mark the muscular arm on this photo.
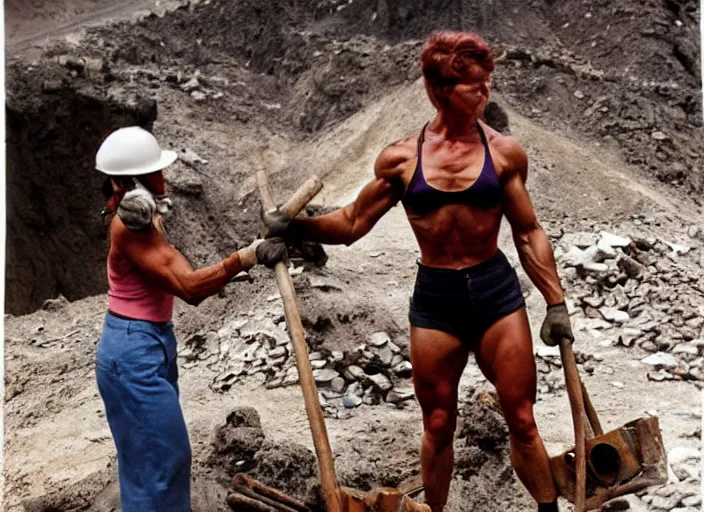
<point>167,268</point>
<point>532,243</point>
<point>349,224</point>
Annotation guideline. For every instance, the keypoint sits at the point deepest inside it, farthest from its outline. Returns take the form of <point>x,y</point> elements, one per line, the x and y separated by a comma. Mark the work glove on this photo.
<point>137,209</point>
<point>264,252</point>
<point>276,221</point>
<point>556,325</point>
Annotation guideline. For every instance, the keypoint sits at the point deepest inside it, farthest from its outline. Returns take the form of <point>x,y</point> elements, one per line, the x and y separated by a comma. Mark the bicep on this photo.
<point>376,198</point>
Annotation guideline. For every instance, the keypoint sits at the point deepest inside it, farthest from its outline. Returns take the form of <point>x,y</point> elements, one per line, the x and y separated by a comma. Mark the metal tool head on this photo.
<point>622,461</point>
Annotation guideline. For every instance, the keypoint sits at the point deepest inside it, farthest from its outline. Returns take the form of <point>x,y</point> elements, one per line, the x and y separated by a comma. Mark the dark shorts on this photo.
<point>465,302</point>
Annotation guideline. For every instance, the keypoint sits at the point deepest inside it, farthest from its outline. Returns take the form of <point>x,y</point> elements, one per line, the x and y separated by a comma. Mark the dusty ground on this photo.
<point>315,88</point>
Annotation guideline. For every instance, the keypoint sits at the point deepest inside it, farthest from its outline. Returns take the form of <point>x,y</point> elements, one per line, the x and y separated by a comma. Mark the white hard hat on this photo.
<point>132,151</point>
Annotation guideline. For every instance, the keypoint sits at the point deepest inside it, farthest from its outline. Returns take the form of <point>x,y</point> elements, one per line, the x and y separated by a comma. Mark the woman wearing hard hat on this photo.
<point>136,365</point>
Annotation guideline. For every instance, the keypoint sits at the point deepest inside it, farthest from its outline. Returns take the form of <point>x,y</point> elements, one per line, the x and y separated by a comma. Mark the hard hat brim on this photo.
<point>167,158</point>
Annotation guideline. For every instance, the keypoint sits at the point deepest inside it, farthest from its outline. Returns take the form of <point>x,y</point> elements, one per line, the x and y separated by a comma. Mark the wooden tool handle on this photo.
<point>574,391</point>
<point>296,202</point>
<point>328,480</point>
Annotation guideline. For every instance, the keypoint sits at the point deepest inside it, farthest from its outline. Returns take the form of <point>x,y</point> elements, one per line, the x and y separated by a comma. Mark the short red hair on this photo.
<point>449,57</point>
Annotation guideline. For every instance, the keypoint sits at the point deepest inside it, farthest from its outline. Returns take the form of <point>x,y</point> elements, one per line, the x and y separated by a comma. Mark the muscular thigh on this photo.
<point>505,356</point>
<point>438,360</point>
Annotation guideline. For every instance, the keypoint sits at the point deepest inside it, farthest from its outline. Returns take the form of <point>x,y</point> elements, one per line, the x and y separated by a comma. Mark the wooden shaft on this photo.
<point>574,391</point>
<point>591,412</point>
<point>296,202</point>
<point>328,480</point>
<point>240,503</point>
<point>302,196</point>
<point>244,480</point>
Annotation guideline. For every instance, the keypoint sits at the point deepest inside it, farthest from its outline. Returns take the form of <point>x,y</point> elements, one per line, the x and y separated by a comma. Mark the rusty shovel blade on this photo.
<point>622,461</point>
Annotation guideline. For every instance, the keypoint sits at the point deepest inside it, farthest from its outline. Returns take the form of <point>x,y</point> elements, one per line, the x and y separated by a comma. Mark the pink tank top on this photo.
<point>131,295</point>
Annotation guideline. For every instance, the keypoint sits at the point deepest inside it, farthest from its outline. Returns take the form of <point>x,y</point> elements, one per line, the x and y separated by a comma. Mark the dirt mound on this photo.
<point>55,124</point>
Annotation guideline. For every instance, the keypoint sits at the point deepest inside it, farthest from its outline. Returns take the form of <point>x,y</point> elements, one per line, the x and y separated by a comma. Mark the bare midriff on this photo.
<point>456,236</point>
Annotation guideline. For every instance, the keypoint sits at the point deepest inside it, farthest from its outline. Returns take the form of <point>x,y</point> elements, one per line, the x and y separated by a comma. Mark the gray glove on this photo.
<point>271,251</point>
<point>556,326</point>
<point>276,221</point>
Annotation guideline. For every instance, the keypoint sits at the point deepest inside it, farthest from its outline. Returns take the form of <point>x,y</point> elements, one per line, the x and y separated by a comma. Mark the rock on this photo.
<point>336,356</point>
<point>324,376</point>
<point>315,356</point>
<point>354,373</point>
<point>692,501</point>
<point>660,502</point>
<point>380,382</point>
<point>613,240</point>
<point>580,239</point>
<point>56,304</point>
<point>395,349</point>
<point>605,249</point>
<point>338,384</point>
<point>396,360</point>
<point>403,370</point>
<point>379,339</point>
<point>398,395</point>
<point>614,315</point>
<point>658,135</point>
<point>681,454</point>
<point>678,249</point>
<point>578,94</point>
<point>686,348</point>
<point>190,157</point>
<point>617,384</point>
<point>659,376</point>
<point>693,231</point>
<point>385,356</point>
<point>323,284</point>
<point>575,257</point>
<point>351,401</point>
<point>264,328</point>
<point>291,377</point>
<point>318,364</point>
<point>198,96</point>
<point>660,360</point>
<point>547,352</point>
<point>277,352</point>
<point>594,301</point>
<point>192,85</point>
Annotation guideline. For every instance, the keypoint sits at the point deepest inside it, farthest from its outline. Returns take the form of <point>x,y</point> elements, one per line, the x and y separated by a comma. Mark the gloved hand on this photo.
<point>556,326</point>
<point>271,251</point>
<point>266,252</point>
<point>276,221</point>
<point>137,209</point>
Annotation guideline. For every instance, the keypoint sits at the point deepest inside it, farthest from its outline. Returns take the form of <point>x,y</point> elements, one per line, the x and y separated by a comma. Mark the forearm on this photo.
<point>538,261</point>
<point>335,228</point>
<point>202,283</point>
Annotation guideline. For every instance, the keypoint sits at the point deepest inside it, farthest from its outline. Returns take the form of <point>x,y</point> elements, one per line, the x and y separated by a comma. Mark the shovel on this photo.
<point>248,495</point>
<point>601,466</point>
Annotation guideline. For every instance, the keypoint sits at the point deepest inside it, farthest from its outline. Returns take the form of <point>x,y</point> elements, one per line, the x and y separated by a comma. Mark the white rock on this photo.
<point>617,384</point>
<point>325,376</point>
<point>685,348</point>
<point>318,364</point>
<point>613,240</point>
<point>354,372</point>
<point>403,369</point>
<point>338,384</point>
<point>660,359</point>
<point>658,135</point>
<point>678,249</point>
<point>398,395</point>
<point>379,339</point>
<point>545,351</point>
<point>681,453</point>
<point>606,249</point>
<point>381,382</point>
<point>614,315</point>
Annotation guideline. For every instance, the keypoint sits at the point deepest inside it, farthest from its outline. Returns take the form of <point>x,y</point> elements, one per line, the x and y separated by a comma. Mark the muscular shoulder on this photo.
<point>508,154</point>
<point>394,159</point>
<point>121,237</point>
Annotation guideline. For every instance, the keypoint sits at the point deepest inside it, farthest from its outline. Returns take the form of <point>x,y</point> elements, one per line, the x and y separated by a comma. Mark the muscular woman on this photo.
<point>456,179</point>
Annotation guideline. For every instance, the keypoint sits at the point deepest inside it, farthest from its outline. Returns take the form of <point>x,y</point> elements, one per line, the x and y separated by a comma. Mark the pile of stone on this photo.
<point>260,349</point>
<point>634,292</point>
<point>551,377</point>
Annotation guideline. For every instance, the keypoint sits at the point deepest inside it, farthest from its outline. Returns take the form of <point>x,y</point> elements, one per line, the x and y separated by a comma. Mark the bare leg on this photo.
<point>505,355</point>
<point>438,360</point>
